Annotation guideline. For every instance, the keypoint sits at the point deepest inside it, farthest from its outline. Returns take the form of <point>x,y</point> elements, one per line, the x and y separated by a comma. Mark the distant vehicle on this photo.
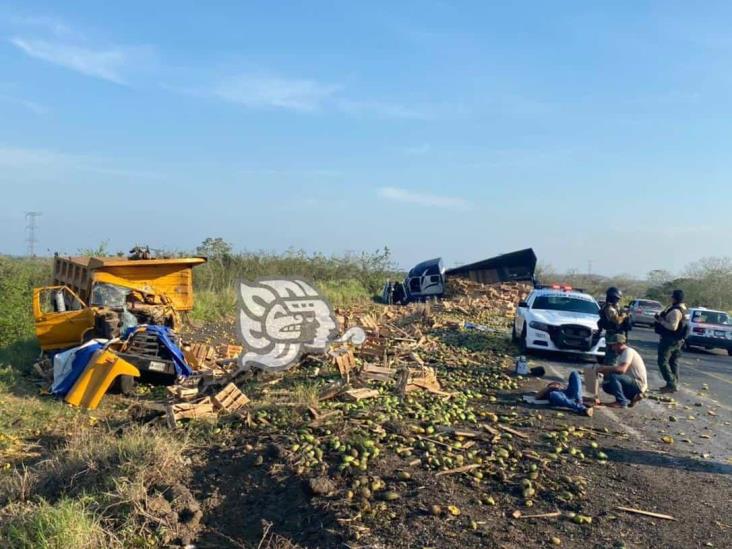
<point>709,329</point>
<point>559,318</point>
<point>425,281</point>
<point>644,311</point>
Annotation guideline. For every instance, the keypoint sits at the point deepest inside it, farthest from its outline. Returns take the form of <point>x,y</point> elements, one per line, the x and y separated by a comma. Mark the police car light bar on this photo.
<point>563,287</point>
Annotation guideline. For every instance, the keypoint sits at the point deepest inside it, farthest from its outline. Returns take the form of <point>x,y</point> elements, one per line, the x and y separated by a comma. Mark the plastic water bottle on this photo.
<point>522,366</point>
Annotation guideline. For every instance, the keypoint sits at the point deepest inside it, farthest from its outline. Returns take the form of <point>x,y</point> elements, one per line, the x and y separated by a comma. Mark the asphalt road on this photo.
<point>698,416</point>
<point>698,367</point>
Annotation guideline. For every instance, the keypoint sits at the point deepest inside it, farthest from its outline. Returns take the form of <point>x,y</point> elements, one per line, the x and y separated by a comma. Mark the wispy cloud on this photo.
<point>54,41</point>
<point>105,64</point>
<point>263,92</point>
<point>380,109</point>
<point>397,194</point>
<point>23,157</point>
<point>302,95</point>
<point>32,106</point>
<point>46,163</point>
<point>52,25</point>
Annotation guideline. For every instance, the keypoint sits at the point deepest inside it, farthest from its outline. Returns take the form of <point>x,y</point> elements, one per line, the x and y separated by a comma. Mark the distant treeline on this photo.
<point>225,267</point>
<point>706,283</point>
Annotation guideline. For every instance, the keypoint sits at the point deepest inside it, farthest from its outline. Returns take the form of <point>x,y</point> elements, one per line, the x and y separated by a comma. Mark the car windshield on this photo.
<point>650,304</point>
<point>109,295</point>
<point>565,303</point>
<point>711,317</point>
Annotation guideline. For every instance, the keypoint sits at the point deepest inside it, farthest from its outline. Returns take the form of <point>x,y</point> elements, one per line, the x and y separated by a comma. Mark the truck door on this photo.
<point>62,318</point>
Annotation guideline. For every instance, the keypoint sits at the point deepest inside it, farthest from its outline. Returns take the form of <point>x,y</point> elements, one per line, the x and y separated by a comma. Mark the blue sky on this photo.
<point>591,131</point>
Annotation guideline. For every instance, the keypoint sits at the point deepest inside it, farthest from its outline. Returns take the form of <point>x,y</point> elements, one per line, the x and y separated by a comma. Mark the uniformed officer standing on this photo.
<point>671,326</point>
<point>613,321</point>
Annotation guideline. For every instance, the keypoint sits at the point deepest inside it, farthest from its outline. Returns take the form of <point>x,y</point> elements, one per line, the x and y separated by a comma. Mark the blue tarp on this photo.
<point>69,365</point>
<point>164,336</point>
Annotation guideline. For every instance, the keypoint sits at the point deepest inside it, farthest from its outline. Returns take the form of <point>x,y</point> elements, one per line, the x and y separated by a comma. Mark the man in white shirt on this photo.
<point>627,380</point>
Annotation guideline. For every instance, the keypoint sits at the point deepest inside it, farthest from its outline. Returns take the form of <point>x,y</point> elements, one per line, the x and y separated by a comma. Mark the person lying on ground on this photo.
<point>626,381</point>
<point>569,397</point>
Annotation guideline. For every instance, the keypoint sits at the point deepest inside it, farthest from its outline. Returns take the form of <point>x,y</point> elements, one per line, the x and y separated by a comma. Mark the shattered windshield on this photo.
<point>109,295</point>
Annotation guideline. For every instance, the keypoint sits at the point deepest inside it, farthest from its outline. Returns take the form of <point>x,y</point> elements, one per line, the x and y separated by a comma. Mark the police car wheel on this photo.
<point>514,335</point>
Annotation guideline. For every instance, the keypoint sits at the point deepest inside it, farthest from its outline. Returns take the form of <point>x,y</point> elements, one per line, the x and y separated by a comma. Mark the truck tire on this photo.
<point>523,343</point>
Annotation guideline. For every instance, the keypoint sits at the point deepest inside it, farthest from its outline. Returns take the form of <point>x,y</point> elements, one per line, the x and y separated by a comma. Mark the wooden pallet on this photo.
<point>230,398</point>
<point>200,355</point>
<point>189,410</point>
<point>345,361</point>
<point>232,351</point>
<point>354,395</point>
<point>182,393</point>
<point>377,373</point>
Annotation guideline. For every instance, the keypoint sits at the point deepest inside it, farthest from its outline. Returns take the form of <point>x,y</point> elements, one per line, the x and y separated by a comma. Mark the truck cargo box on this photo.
<point>172,278</point>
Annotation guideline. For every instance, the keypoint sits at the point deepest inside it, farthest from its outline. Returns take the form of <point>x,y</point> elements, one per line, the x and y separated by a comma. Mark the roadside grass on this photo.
<point>126,488</point>
<point>215,305</point>
<point>306,395</point>
<point>62,525</point>
<point>344,293</point>
<point>211,306</point>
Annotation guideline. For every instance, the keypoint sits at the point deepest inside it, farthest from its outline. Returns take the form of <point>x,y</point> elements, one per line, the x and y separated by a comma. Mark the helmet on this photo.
<point>678,295</point>
<point>613,294</point>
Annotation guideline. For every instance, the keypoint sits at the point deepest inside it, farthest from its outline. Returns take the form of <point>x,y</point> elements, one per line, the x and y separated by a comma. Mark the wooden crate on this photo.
<point>230,398</point>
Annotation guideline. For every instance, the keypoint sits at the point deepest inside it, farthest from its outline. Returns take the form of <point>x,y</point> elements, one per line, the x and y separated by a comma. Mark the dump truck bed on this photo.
<point>172,278</point>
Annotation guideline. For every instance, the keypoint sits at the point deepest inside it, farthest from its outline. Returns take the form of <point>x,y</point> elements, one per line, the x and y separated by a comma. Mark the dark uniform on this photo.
<point>671,327</point>
<point>614,323</point>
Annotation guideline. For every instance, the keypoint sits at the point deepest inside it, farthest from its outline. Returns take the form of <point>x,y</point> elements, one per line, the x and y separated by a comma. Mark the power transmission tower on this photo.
<point>31,228</point>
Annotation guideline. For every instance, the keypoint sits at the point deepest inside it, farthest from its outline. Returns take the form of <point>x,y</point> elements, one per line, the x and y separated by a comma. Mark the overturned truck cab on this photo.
<point>424,281</point>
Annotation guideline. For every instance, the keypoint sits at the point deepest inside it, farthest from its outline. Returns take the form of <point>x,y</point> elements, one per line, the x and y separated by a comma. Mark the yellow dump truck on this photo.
<point>95,296</point>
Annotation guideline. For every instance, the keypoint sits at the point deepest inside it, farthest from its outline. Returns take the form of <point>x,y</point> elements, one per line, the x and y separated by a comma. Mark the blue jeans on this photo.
<point>622,387</point>
<point>571,397</point>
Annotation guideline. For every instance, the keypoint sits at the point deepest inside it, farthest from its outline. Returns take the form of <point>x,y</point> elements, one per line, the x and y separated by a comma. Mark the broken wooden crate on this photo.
<point>230,399</point>
<point>189,410</point>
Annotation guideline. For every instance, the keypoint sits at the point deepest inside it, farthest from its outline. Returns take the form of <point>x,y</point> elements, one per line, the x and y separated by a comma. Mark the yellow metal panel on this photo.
<point>174,282</point>
<point>96,378</point>
<point>60,330</point>
<point>170,277</point>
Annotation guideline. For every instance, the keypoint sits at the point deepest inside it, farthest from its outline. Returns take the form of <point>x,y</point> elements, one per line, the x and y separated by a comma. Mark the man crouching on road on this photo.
<point>627,380</point>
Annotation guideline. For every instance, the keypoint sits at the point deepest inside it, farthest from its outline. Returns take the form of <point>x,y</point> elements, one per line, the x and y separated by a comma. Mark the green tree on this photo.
<point>214,248</point>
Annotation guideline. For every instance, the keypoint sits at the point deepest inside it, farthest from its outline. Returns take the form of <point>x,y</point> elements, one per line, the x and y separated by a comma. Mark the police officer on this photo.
<point>671,326</point>
<point>613,321</point>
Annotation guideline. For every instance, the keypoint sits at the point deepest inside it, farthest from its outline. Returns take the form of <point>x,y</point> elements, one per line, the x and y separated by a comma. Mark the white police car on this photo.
<point>559,318</point>
<point>709,329</point>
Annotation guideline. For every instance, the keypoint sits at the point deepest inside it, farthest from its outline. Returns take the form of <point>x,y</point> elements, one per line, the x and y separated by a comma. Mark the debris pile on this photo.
<point>500,299</point>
